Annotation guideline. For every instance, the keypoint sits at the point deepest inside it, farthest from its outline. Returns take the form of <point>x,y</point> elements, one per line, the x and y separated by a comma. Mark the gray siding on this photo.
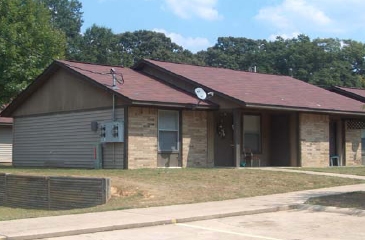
<point>64,140</point>
<point>6,143</point>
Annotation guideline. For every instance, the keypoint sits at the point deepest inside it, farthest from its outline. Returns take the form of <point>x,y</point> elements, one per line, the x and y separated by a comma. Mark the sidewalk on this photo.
<point>123,219</point>
<point>312,172</point>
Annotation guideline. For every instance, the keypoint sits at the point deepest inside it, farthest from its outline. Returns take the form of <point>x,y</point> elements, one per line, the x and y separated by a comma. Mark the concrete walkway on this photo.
<point>43,227</point>
<point>312,172</point>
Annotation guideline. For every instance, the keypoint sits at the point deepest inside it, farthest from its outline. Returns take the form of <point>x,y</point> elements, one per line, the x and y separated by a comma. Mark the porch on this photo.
<point>277,138</point>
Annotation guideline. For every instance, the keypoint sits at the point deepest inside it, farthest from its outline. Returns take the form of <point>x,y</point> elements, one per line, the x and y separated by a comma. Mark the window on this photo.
<point>168,131</point>
<point>252,132</point>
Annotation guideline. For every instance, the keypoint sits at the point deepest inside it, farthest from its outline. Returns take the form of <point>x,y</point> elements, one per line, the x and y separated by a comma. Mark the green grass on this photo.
<point>157,187</point>
<point>359,171</point>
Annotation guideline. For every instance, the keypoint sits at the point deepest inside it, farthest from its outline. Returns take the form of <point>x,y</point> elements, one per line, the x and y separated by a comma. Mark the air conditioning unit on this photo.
<point>112,132</point>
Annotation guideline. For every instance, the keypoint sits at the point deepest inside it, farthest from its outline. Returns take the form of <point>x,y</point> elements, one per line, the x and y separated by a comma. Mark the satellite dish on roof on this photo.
<point>200,93</point>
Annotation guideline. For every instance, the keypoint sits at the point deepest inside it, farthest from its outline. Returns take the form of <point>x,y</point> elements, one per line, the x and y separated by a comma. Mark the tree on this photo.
<point>66,16</point>
<point>98,45</point>
<point>234,53</point>
<point>28,43</point>
<point>134,46</point>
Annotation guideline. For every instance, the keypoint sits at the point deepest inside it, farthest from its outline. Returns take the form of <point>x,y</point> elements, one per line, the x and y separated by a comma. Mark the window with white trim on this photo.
<point>252,132</point>
<point>168,131</point>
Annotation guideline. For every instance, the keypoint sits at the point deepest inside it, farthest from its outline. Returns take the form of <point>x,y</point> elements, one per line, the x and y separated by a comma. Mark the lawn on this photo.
<point>156,187</point>
<point>360,171</point>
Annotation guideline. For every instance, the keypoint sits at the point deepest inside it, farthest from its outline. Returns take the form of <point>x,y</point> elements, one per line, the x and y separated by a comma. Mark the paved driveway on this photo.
<point>290,225</point>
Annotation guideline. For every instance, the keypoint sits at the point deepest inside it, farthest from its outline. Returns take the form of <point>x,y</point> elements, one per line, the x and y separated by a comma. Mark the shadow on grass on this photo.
<point>345,200</point>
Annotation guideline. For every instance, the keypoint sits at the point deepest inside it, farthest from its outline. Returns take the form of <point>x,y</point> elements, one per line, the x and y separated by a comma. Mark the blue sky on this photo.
<point>196,24</point>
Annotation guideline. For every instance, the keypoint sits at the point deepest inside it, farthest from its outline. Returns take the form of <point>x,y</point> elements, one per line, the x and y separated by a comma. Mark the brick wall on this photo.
<point>195,143</point>
<point>314,140</point>
<point>353,147</point>
<point>142,137</point>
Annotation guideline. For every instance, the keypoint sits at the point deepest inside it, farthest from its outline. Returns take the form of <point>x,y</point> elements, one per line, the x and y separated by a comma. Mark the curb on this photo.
<point>147,224</point>
<point>314,208</point>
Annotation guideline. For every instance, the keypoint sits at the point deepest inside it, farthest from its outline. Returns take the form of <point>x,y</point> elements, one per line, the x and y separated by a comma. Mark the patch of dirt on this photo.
<point>116,192</point>
<point>346,200</point>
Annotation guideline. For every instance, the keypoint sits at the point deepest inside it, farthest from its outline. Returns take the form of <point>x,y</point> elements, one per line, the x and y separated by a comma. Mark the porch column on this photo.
<point>237,118</point>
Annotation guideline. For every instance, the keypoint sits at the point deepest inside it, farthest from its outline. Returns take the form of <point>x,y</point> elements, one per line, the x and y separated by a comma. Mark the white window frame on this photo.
<point>159,130</point>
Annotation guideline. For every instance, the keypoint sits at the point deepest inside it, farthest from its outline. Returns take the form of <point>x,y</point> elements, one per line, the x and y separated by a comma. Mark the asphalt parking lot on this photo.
<point>288,225</point>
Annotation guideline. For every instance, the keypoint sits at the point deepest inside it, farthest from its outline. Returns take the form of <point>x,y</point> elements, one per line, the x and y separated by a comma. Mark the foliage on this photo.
<point>324,62</point>
<point>33,32</point>
<point>66,16</point>
<point>100,45</point>
<point>28,43</point>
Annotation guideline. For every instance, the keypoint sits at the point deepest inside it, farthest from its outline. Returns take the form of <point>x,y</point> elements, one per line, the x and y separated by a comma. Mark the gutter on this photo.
<point>299,109</point>
<point>174,105</point>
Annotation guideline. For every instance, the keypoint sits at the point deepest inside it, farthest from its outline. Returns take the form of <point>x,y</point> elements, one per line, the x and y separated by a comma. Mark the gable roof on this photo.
<point>354,93</point>
<point>137,89</point>
<point>261,90</point>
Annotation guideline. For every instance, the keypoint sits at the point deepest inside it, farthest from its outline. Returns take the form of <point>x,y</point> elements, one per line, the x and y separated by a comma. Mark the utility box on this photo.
<point>112,132</point>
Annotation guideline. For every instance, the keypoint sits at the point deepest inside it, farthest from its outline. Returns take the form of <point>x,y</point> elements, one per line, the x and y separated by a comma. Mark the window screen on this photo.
<point>168,131</point>
<point>252,132</point>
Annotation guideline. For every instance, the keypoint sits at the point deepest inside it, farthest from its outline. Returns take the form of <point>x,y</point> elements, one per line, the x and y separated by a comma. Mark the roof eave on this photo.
<point>174,105</point>
<point>303,109</point>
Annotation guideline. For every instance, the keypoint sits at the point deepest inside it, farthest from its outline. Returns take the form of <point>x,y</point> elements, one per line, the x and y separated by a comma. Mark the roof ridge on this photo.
<point>212,67</point>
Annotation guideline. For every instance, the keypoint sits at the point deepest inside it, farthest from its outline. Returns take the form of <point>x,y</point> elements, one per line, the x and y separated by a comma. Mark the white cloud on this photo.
<point>205,9</point>
<point>291,14</point>
<point>194,44</point>
<point>325,17</point>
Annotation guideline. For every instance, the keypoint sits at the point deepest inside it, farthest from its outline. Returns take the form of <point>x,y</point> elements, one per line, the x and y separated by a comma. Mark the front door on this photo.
<point>279,140</point>
<point>223,139</point>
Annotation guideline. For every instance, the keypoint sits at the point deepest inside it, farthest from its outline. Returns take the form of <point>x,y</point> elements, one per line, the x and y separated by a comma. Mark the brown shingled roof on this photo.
<point>263,90</point>
<point>136,87</point>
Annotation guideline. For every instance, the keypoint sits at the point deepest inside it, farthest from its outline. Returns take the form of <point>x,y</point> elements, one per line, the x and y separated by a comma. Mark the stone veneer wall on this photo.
<point>194,139</point>
<point>142,137</point>
<point>353,147</point>
<point>314,140</point>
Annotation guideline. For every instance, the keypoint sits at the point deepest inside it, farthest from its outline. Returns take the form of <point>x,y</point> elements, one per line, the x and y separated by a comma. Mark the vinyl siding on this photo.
<point>6,143</point>
<point>64,140</point>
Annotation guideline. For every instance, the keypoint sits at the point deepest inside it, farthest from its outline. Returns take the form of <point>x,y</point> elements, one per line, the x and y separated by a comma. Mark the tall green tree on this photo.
<point>98,45</point>
<point>134,46</point>
<point>28,43</point>
<point>324,62</point>
<point>66,15</point>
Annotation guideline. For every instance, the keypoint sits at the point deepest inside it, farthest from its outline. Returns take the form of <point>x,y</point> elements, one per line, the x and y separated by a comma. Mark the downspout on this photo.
<point>113,114</point>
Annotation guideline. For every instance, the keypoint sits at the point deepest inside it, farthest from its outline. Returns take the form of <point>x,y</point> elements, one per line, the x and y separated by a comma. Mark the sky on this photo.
<point>197,24</point>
